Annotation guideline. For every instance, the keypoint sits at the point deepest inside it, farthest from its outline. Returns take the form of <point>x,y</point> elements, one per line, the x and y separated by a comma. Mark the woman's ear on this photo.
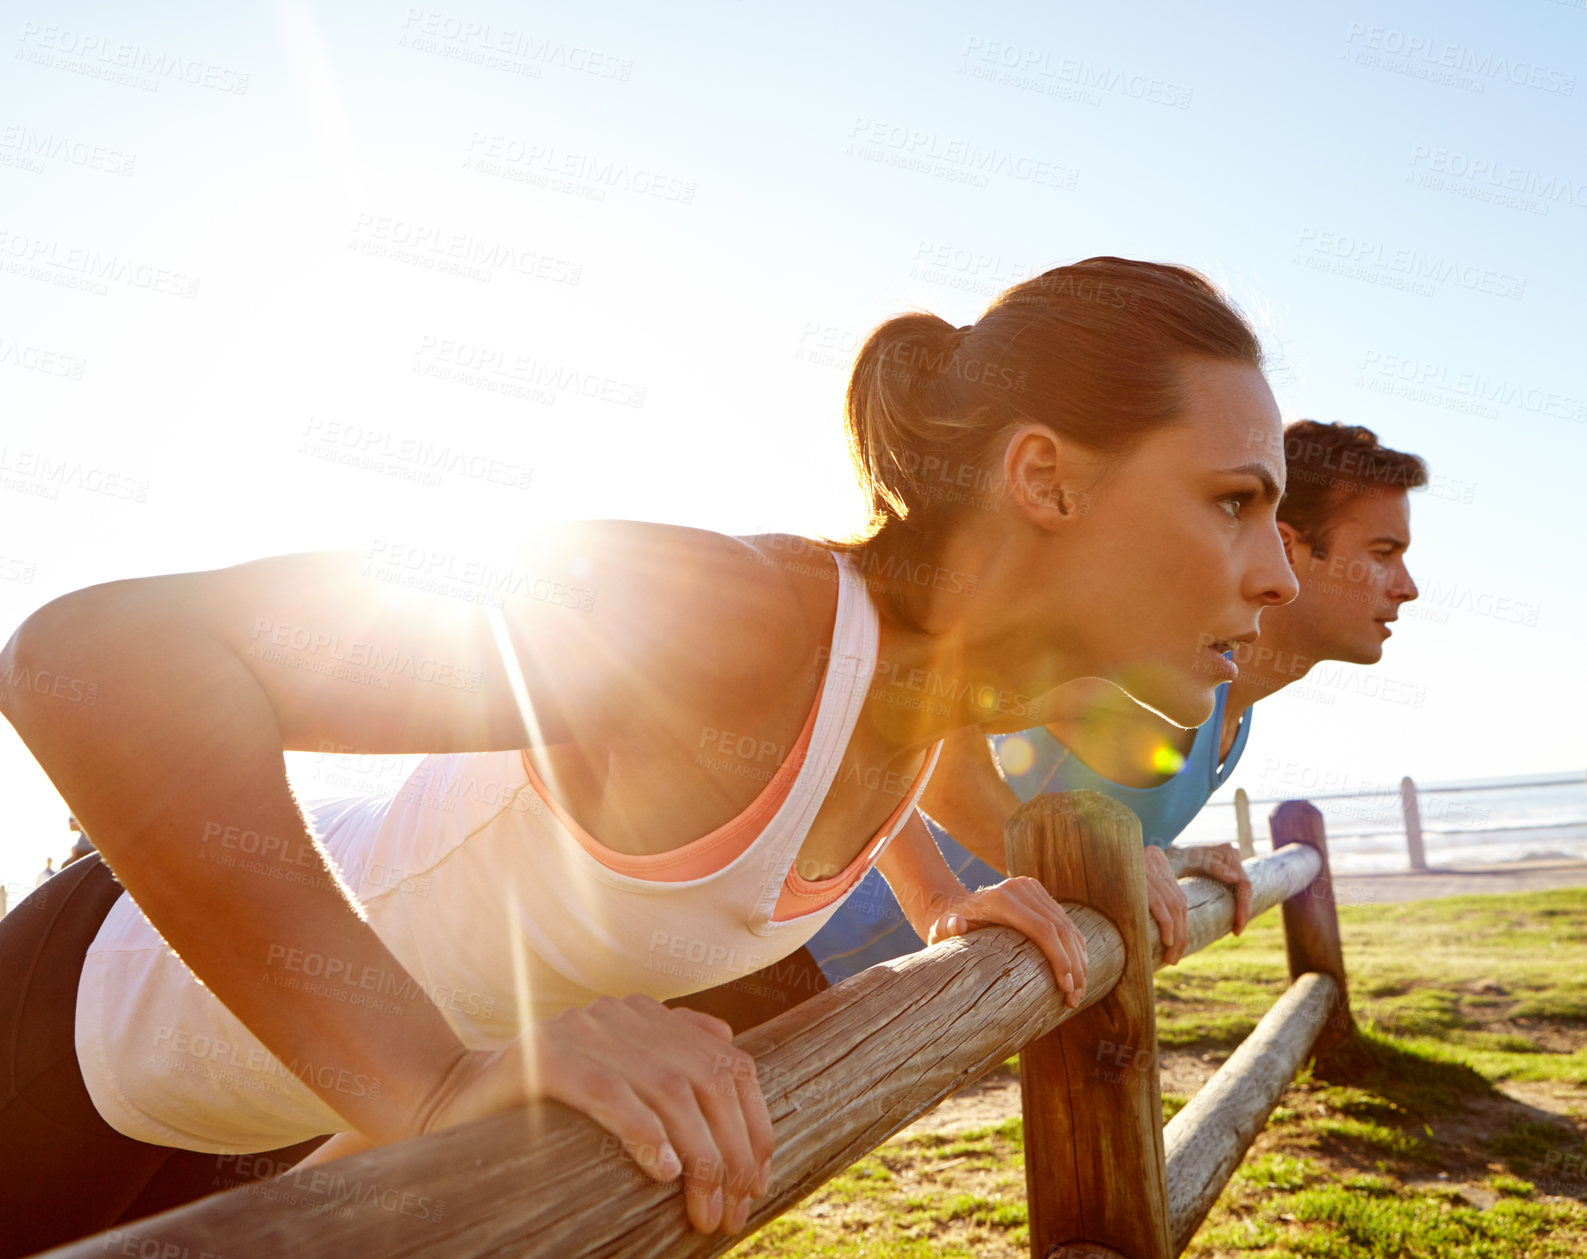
<point>1045,475</point>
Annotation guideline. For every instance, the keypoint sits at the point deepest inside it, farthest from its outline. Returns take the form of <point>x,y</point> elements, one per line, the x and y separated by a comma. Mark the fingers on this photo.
<point>705,1093</point>
<point>1222,862</point>
<point>1165,901</point>
<point>1157,907</point>
<point>743,1109</point>
<point>1024,904</point>
<point>675,1093</point>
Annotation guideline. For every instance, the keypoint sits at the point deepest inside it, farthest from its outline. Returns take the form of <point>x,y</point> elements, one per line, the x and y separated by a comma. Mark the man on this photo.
<point>1345,521</point>
<point>46,874</point>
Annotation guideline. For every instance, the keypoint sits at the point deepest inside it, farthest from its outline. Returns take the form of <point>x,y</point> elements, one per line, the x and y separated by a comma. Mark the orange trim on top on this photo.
<point>799,896</point>
<point>699,857</point>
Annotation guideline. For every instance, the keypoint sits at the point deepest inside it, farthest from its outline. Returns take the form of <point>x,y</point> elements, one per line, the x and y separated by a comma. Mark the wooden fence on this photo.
<point>855,1064</point>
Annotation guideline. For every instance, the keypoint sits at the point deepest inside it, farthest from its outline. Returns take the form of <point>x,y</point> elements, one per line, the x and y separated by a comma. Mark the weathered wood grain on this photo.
<point>1093,1115</point>
<point>841,1073</point>
<point>1311,922</point>
<point>1207,1139</point>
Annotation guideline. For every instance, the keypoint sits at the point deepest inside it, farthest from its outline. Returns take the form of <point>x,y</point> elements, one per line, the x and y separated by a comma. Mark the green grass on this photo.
<point>1451,998</point>
<point>1369,1217</point>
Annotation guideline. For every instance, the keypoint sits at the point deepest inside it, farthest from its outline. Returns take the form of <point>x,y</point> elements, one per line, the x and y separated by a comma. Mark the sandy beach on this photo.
<point>1537,875</point>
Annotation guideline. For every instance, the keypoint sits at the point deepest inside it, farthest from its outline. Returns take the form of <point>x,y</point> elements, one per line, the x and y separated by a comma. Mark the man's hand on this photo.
<point>1221,862</point>
<point>1165,901</point>
<point>1025,905</point>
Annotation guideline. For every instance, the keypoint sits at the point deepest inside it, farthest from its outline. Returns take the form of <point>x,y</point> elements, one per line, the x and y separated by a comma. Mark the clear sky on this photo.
<point>252,257</point>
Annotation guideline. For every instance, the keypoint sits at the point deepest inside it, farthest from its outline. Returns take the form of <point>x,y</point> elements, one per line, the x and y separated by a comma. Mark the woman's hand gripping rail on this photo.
<point>938,906</point>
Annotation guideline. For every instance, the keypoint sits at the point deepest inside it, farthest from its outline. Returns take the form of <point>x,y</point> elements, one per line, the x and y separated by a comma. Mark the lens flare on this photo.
<point>1167,759</point>
<point>1016,754</point>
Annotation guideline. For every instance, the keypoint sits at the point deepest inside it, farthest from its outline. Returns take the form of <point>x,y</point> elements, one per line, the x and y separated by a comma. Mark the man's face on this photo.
<point>1349,594</point>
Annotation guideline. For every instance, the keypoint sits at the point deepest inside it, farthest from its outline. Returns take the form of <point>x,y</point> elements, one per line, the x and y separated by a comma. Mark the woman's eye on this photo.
<point>1234,503</point>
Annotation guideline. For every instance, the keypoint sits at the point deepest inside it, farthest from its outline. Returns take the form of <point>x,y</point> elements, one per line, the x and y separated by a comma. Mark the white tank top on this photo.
<point>500,908</point>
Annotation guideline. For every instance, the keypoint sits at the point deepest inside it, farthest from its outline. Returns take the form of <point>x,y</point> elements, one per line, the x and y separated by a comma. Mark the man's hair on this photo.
<point>1329,464</point>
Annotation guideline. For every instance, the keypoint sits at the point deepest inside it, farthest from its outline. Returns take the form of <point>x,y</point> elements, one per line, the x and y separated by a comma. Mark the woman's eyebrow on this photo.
<point>1270,490</point>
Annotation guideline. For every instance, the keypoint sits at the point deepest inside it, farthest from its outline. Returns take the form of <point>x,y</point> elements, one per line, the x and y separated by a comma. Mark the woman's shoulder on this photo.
<point>753,606</point>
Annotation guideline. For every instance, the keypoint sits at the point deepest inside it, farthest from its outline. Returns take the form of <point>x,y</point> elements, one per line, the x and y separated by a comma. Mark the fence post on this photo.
<point>1242,823</point>
<point>1311,922</point>
<point>1094,1165</point>
<point>1413,823</point>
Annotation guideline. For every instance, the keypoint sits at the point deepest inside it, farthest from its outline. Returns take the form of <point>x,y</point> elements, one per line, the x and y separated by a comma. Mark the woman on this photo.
<point>740,721</point>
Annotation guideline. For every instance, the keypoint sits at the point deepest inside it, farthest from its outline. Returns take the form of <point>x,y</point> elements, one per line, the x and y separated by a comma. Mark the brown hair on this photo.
<point>1327,464</point>
<point>1091,350</point>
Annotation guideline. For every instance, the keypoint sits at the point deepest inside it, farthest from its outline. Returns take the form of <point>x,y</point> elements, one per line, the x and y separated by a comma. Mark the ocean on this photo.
<point>1477,822</point>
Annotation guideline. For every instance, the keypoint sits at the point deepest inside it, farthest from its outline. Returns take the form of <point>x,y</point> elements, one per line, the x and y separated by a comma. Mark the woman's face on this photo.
<point>1180,549</point>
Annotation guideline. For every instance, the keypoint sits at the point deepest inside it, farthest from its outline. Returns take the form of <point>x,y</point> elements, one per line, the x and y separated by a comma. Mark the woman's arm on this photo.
<point>968,798</point>
<point>199,681</point>
<point>195,683</point>
<point>938,906</point>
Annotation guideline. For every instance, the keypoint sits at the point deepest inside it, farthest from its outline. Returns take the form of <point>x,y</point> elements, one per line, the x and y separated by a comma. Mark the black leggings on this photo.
<point>65,1172</point>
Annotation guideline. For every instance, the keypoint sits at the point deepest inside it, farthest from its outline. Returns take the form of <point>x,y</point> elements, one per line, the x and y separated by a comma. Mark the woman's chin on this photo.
<point>1185,701</point>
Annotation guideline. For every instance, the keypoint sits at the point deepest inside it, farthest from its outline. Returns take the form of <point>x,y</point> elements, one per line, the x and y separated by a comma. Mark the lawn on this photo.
<point>1454,1126</point>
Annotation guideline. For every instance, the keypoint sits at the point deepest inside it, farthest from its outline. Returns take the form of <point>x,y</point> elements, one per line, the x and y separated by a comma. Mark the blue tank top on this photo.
<point>869,927</point>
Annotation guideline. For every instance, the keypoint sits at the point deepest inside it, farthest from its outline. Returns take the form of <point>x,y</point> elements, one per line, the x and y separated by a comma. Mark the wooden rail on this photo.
<point>841,1073</point>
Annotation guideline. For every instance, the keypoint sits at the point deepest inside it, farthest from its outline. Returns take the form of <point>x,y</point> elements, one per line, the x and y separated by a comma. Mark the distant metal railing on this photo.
<point>1411,812</point>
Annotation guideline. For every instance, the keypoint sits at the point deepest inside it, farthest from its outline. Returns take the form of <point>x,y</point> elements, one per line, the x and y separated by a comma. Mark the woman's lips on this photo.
<point>1222,668</point>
